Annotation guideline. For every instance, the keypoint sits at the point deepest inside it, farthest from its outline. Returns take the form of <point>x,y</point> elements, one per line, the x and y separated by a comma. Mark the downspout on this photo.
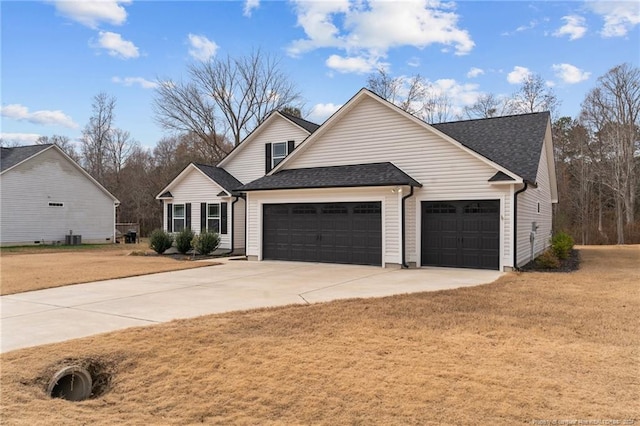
<point>404,249</point>
<point>515,225</point>
<point>232,228</point>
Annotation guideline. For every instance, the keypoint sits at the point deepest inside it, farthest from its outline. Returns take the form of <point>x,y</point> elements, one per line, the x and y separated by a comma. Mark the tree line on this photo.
<point>221,101</point>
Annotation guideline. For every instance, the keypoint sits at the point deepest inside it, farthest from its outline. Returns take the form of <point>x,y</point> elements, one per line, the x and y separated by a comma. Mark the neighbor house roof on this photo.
<point>219,176</point>
<point>305,124</point>
<point>514,141</point>
<point>374,174</point>
<point>10,157</point>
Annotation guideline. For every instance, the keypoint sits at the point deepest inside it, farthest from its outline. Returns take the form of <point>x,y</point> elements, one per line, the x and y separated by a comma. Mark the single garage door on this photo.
<point>323,232</point>
<point>461,234</point>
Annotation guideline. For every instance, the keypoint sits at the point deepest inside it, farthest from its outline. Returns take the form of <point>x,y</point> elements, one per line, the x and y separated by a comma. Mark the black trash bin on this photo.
<point>130,237</point>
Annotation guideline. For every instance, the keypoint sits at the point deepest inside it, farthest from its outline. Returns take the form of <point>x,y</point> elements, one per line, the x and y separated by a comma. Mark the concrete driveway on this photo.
<point>58,314</point>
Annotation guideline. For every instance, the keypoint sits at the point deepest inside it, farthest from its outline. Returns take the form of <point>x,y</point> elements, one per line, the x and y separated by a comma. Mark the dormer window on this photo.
<point>279,151</point>
<point>276,152</point>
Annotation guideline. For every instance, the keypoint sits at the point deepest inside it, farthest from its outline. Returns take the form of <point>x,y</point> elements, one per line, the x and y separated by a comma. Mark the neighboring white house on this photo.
<point>375,185</point>
<point>45,195</point>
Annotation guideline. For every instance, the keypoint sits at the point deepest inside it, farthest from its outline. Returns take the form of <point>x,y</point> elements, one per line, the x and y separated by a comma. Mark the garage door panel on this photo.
<point>331,232</point>
<point>461,234</point>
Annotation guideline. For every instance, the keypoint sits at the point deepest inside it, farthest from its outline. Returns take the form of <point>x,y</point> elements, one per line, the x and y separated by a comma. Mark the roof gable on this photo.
<point>367,94</point>
<point>11,157</point>
<point>217,175</point>
<point>16,156</point>
<point>307,126</point>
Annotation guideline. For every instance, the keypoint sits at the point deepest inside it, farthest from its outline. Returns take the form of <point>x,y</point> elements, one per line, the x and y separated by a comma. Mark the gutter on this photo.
<point>404,249</point>
<point>233,237</point>
<point>515,225</point>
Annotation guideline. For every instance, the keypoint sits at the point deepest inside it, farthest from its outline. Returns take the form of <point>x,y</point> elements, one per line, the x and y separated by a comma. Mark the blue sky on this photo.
<point>56,55</point>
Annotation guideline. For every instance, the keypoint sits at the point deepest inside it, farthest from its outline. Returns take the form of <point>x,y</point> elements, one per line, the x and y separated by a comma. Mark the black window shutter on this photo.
<point>267,157</point>
<point>169,217</point>
<point>187,215</point>
<point>203,217</point>
<point>290,146</point>
<point>223,218</point>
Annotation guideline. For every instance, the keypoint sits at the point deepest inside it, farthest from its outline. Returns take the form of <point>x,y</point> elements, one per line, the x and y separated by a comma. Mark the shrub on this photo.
<point>562,244</point>
<point>206,242</point>
<point>183,240</point>
<point>548,260</point>
<point>160,241</point>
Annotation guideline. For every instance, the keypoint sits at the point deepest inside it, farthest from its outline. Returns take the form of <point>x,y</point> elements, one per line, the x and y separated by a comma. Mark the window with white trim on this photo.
<point>178,217</point>
<point>278,153</point>
<point>213,218</point>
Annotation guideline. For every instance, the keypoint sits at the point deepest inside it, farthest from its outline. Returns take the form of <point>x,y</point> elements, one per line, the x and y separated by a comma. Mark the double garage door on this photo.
<point>323,232</point>
<point>461,234</point>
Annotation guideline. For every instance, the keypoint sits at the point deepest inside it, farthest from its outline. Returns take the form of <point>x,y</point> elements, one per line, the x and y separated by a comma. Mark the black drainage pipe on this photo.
<point>404,249</point>
<point>515,225</point>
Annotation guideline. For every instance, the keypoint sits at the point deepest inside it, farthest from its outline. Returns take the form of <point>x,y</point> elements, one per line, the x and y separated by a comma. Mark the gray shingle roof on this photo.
<point>514,142</point>
<point>374,174</point>
<point>220,176</point>
<point>305,124</point>
<point>9,157</point>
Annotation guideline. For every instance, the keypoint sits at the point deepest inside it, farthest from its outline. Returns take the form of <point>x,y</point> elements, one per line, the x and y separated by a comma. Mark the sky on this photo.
<point>57,55</point>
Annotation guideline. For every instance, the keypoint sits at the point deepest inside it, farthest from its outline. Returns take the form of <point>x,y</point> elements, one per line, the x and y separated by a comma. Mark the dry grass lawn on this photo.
<point>528,349</point>
<point>35,268</point>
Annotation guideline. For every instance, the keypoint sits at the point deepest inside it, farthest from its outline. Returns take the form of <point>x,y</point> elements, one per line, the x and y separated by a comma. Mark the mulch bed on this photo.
<point>567,265</point>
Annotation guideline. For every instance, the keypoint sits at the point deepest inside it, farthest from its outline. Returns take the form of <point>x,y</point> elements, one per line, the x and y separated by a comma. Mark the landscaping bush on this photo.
<point>183,240</point>
<point>206,242</point>
<point>562,244</point>
<point>548,260</point>
<point>160,241</point>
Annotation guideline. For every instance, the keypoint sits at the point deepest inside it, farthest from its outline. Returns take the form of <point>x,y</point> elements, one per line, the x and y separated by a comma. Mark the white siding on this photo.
<point>371,133</point>
<point>528,213</point>
<point>248,163</point>
<point>195,188</point>
<point>390,213</point>
<point>27,190</point>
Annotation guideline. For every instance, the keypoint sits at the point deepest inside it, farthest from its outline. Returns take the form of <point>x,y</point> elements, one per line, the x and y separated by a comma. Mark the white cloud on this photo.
<point>414,62</point>
<point>518,75</point>
<point>574,26</point>
<point>320,112</point>
<point>92,13</point>
<point>368,30</point>
<point>43,117</point>
<point>358,65</point>
<point>460,94</point>
<point>202,48</point>
<point>116,45</point>
<point>20,138</point>
<point>570,74</point>
<point>474,72</point>
<point>130,81</point>
<point>249,5</point>
<point>619,16</point>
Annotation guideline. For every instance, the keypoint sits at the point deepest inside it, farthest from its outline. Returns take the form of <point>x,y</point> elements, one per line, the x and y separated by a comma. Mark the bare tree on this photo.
<point>436,107</point>
<point>488,105</point>
<point>612,112</point>
<point>534,96</point>
<point>63,142</point>
<point>96,134</point>
<point>224,99</point>
<point>407,93</point>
